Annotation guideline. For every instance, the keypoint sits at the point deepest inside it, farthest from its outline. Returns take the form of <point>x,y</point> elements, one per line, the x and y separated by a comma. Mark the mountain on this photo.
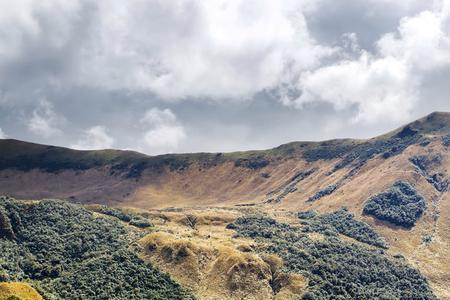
<point>387,195</point>
<point>129,178</point>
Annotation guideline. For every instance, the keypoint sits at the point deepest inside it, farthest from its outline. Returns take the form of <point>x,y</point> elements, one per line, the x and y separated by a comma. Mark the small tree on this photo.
<point>191,221</point>
<point>6,229</point>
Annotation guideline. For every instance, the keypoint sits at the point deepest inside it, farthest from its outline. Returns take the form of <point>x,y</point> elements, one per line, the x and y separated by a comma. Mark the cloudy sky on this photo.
<point>163,76</point>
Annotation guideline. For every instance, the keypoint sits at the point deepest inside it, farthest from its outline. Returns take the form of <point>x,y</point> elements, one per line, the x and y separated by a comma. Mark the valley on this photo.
<point>339,219</point>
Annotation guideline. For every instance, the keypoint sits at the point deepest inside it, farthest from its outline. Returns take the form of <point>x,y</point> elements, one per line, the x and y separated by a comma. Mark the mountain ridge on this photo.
<point>125,175</point>
<point>93,158</point>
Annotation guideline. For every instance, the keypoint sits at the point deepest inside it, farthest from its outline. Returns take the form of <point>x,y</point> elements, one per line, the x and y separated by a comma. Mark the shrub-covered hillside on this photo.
<point>67,252</point>
<point>343,222</point>
<point>400,205</point>
<point>336,269</point>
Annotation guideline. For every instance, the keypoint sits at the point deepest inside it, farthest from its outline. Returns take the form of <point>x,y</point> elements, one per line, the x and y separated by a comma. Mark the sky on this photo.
<point>171,76</point>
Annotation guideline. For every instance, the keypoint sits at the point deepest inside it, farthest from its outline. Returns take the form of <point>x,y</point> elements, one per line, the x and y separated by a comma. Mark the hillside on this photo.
<point>124,177</point>
<point>394,189</point>
<point>67,251</point>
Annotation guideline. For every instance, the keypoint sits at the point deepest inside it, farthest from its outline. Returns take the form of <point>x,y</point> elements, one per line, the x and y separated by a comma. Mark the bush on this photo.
<point>326,151</point>
<point>305,215</point>
<point>400,205</point>
<point>387,147</point>
<point>323,192</point>
<point>357,154</point>
<point>130,218</point>
<point>446,140</point>
<point>140,222</point>
<point>343,222</point>
<point>291,185</point>
<point>423,164</point>
<point>254,163</point>
<point>110,211</point>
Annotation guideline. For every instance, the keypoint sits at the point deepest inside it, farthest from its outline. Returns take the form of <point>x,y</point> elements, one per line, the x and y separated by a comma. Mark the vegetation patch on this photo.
<point>357,154</point>
<point>386,147</point>
<point>69,253</point>
<point>336,269</point>
<point>401,205</point>
<point>326,151</point>
<point>343,222</point>
<point>446,140</point>
<point>306,215</point>
<point>254,163</point>
<point>423,164</point>
<point>290,186</point>
<point>130,218</point>
<point>323,192</point>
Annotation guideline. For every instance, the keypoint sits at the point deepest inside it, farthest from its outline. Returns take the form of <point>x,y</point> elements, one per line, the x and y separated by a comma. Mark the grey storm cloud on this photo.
<point>187,75</point>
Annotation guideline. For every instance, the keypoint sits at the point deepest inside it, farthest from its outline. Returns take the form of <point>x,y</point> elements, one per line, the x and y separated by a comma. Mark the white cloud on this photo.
<point>2,134</point>
<point>94,138</point>
<point>163,131</point>
<point>377,87</point>
<point>43,29</point>
<point>165,136</point>
<point>156,116</point>
<point>86,51</point>
<point>176,49</point>
<point>44,120</point>
<point>421,41</point>
<point>385,85</point>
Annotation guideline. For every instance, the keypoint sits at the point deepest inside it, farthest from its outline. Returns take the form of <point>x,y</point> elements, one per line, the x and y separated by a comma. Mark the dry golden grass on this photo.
<point>18,290</point>
<point>214,264</point>
<point>291,286</point>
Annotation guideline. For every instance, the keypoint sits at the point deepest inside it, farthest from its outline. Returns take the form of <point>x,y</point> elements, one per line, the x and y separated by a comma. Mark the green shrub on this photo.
<point>305,215</point>
<point>140,222</point>
<point>446,140</point>
<point>357,154</point>
<point>423,164</point>
<point>254,163</point>
<point>343,222</point>
<point>110,211</point>
<point>400,205</point>
<point>323,192</point>
<point>131,218</point>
